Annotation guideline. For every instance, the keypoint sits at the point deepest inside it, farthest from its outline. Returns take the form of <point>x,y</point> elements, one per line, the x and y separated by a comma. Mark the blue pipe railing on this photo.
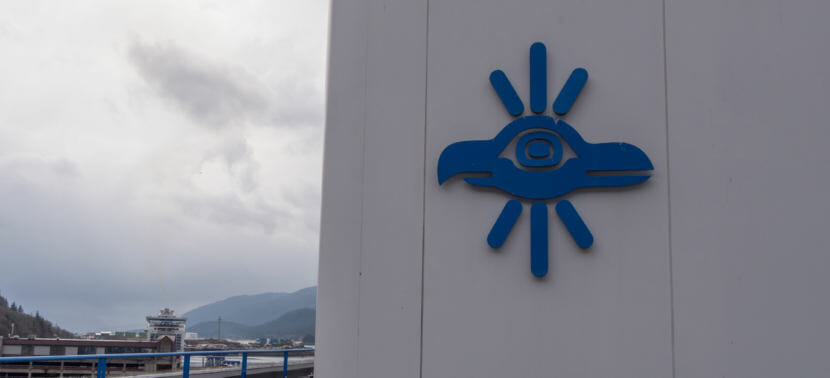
<point>102,358</point>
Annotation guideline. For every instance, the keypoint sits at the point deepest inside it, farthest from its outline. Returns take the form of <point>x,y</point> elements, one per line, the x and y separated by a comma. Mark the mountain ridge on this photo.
<point>255,309</point>
<point>297,323</point>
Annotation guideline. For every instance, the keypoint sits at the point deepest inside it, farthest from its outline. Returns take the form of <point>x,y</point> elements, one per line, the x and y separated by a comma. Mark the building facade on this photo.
<point>166,323</point>
<point>18,347</point>
<point>716,266</point>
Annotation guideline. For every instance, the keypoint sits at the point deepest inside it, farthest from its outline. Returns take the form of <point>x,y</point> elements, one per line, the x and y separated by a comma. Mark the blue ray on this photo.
<point>504,224</point>
<point>569,91</point>
<point>573,222</point>
<point>538,78</point>
<point>539,239</point>
<point>506,93</point>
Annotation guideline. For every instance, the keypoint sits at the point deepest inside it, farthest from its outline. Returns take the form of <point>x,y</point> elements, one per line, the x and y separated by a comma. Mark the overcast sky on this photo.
<point>158,154</point>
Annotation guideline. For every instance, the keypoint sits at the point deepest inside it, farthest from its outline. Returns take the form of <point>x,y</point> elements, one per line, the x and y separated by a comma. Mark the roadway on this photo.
<point>303,369</point>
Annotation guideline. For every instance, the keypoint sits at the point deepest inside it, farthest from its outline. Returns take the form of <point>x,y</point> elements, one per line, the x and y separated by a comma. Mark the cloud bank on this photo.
<point>158,154</point>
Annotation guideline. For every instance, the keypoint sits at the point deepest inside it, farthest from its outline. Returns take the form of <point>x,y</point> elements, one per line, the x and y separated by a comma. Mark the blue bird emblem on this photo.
<point>536,171</point>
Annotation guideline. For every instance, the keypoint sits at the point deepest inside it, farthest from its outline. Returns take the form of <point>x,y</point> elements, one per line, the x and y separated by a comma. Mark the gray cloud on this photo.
<point>66,168</point>
<point>217,94</point>
<point>230,209</point>
<point>210,93</point>
<point>238,158</point>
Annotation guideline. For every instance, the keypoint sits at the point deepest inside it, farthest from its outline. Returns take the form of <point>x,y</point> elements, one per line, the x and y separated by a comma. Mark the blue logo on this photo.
<point>538,173</point>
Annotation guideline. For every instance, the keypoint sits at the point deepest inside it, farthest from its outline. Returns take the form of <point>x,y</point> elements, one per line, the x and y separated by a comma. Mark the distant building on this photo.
<point>167,324</point>
<point>191,335</point>
<point>17,347</point>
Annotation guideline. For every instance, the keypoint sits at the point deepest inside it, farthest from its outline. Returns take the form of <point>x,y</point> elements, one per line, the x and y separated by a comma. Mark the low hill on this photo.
<point>229,330</point>
<point>297,323</point>
<point>26,325</point>
<point>252,310</point>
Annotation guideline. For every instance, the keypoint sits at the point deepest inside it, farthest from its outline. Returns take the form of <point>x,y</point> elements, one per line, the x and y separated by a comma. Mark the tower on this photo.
<point>166,323</point>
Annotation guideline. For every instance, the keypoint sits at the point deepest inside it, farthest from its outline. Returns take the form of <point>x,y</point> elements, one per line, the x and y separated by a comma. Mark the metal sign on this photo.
<point>535,170</point>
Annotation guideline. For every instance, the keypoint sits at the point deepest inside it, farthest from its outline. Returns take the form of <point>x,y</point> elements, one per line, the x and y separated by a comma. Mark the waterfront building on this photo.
<point>18,347</point>
<point>166,323</point>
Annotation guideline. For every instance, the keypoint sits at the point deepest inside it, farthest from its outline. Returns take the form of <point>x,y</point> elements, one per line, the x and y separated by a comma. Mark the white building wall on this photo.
<point>12,350</point>
<point>375,167</point>
<point>749,89</point>
<point>714,267</point>
<point>41,350</point>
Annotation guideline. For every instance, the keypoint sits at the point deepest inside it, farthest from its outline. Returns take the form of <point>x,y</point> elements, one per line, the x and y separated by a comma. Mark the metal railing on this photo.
<point>101,371</point>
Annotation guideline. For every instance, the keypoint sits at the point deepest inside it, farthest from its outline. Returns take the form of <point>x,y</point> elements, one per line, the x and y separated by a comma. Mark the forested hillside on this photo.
<point>26,325</point>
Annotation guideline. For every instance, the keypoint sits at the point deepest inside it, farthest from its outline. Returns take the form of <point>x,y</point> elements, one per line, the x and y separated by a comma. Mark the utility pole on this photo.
<point>219,328</point>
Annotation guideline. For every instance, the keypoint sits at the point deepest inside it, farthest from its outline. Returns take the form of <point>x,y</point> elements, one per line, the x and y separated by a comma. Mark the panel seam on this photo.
<point>424,195</point>
<point>668,196</point>
<point>363,178</point>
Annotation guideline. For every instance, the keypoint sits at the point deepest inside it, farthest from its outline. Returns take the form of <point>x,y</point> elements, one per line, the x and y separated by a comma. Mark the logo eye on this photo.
<point>539,149</point>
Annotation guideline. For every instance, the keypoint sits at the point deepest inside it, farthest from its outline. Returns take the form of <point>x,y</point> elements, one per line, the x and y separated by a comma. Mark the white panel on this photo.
<point>748,89</point>
<point>71,351</point>
<point>393,185</point>
<point>371,251</point>
<point>339,263</point>
<point>605,313</point>
<point>41,351</point>
<point>12,350</point>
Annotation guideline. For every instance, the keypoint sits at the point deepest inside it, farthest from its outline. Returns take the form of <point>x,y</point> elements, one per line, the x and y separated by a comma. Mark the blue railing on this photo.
<point>102,358</point>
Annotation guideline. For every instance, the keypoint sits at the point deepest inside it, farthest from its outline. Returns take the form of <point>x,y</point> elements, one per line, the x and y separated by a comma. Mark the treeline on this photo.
<point>26,325</point>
